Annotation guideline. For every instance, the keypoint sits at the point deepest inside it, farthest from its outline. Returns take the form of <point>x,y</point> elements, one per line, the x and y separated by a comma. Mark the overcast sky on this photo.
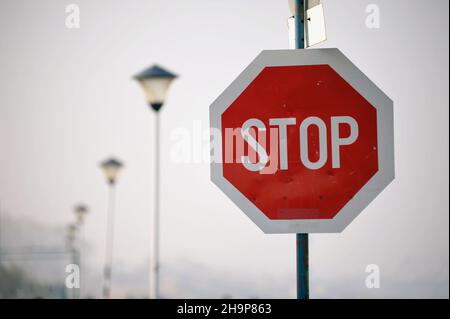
<point>67,101</point>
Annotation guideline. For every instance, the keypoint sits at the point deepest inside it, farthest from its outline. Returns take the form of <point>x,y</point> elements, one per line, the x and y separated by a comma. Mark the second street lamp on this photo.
<point>155,82</point>
<point>111,168</point>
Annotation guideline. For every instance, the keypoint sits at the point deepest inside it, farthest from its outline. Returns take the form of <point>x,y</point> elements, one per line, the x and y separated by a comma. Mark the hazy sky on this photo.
<point>67,101</point>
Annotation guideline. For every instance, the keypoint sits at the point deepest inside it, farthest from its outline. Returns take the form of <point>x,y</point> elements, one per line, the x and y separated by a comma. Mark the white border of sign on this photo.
<point>385,126</point>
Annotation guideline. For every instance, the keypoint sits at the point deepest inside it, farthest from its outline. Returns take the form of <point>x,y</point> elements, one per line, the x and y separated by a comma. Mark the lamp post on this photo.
<point>80,211</point>
<point>155,82</point>
<point>111,168</point>
<point>71,233</point>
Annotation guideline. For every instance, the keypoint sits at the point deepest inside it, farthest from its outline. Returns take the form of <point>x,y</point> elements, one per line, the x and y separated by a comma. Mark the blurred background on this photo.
<point>68,102</point>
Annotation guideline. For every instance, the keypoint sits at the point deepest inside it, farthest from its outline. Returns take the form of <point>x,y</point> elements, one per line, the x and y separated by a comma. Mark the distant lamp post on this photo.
<point>71,234</point>
<point>155,82</point>
<point>80,212</point>
<point>111,168</point>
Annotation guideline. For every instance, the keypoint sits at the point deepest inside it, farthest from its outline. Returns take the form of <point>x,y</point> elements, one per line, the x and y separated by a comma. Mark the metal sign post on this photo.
<point>302,240</point>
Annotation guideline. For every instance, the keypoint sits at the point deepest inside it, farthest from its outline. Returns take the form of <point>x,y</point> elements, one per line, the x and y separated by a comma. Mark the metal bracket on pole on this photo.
<point>314,29</point>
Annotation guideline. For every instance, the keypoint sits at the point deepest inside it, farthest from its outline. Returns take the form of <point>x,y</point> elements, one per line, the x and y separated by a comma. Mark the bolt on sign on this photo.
<point>306,141</point>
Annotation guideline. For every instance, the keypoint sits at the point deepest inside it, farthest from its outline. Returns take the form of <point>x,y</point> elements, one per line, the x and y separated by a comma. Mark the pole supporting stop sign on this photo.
<point>305,141</point>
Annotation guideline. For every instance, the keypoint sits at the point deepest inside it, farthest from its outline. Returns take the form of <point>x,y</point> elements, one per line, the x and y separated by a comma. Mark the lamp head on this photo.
<point>155,81</point>
<point>80,212</point>
<point>111,168</point>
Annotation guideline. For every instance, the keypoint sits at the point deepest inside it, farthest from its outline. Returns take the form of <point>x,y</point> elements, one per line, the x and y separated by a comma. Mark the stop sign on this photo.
<point>306,141</point>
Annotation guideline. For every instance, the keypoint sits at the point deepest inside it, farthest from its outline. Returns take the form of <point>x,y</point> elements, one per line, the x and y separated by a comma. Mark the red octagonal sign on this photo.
<point>303,141</point>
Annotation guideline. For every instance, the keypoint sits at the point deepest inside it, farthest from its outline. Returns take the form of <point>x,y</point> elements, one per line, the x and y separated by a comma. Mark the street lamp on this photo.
<point>155,81</point>
<point>80,212</point>
<point>111,168</point>
<point>71,233</point>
